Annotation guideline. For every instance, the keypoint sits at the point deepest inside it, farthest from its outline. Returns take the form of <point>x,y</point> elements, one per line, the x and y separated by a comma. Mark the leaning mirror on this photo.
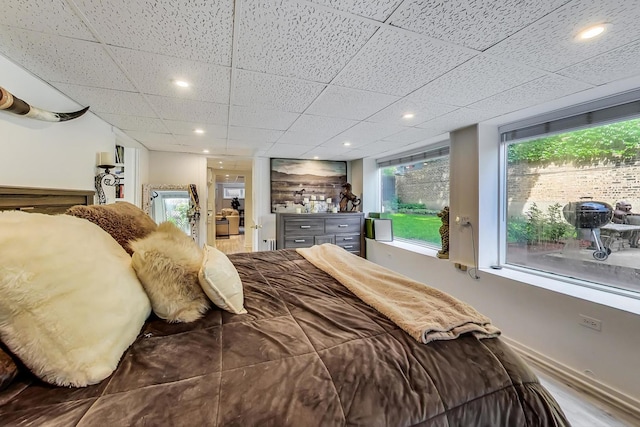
<point>176,203</point>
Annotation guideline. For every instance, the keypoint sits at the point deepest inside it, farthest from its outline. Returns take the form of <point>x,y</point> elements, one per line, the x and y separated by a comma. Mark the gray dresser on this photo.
<point>305,230</point>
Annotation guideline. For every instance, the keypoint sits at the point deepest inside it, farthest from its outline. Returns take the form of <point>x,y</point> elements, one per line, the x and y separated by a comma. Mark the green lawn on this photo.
<point>416,227</point>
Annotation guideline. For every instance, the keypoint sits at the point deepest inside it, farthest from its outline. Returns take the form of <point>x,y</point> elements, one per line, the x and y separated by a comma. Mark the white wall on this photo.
<point>182,169</point>
<point>52,155</point>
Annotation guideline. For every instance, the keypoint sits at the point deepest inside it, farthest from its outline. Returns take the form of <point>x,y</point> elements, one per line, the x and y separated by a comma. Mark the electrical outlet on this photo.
<point>590,322</point>
<point>464,220</point>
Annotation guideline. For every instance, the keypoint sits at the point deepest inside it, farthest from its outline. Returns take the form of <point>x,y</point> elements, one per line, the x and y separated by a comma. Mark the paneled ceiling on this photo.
<point>294,78</point>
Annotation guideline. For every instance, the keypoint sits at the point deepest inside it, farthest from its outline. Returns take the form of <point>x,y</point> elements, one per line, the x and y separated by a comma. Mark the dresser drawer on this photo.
<point>303,226</point>
<point>299,242</point>
<point>343,224</point>
<point>350,242</point>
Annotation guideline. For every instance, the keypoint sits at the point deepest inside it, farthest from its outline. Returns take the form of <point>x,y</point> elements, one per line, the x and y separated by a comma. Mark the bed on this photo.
<point>307,352</point>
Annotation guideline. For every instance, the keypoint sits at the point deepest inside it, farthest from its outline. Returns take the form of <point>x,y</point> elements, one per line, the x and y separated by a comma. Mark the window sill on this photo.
<point>614,298</point>
<point>422,250</point>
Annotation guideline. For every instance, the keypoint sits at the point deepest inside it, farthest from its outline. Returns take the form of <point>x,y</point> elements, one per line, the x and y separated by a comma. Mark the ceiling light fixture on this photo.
<point>220,162</point>
<point>200,131</point>
<point>346,144</point>
<point>205,151</point>
<point>591,32</point>
<point>316,157</point>
<point>408,116</point>
<point>181,83</point>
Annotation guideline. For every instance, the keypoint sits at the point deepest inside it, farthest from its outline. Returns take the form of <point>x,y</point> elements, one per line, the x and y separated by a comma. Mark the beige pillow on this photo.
<point>70,303</point>
<point>220,281</point>
<point>167,263</point>
<point>124,221</point>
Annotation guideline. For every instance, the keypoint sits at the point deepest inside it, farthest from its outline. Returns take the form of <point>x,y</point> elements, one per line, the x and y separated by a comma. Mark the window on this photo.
<point>570,197</point>
<point>414,188</point>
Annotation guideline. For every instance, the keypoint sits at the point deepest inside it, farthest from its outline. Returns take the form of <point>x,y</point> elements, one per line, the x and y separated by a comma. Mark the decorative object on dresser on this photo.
<point>306,230</point>
<point>106,178</point>
<point>15,105</point>
<point>349,202</point>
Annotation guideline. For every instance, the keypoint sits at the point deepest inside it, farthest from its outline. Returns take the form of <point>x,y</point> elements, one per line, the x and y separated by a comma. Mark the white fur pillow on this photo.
<point>221,282</point>
<point>70,303</point>
<point>167,263</point>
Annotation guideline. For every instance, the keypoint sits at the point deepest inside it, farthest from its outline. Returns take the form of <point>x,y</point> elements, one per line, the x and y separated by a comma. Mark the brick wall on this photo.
<point>429,185</point>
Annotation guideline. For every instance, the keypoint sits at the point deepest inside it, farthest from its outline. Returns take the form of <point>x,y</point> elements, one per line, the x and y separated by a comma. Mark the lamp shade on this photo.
<point>105,158</point>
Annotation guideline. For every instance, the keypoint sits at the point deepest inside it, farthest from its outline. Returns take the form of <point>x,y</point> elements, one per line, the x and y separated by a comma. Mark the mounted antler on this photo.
<point>15,105</point>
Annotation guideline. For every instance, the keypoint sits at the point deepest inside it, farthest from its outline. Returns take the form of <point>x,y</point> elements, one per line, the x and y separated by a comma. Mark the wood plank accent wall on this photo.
<point>43,200</point>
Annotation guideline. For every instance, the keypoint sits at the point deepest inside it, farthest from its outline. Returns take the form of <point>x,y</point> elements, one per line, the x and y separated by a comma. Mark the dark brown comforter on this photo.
<point>309,353</point>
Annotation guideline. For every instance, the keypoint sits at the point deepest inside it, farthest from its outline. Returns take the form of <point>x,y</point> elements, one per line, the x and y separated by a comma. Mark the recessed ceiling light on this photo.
<point>220,162</point>
<point>408,116</point>
<point>198,130</point>
<point>591,32</point>
<point>316,157</point>
<point>346,144</point>
<point>181,83</point>
<point>227,175</point>
<point>205,151</point>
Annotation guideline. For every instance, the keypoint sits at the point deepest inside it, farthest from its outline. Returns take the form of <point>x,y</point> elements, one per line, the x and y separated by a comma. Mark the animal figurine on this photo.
<point>444,233</point>
<point>346,197</point>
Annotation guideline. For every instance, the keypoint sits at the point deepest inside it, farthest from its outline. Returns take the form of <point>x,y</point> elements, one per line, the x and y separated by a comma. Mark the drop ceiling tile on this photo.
<point>614,65</point>
<point>188,128</point>
<point>287,151</point>
<point>279,93</point>
<point>332,153</point>
<point>348,103</point>
<point>373,9</point>
<point>321,125</point>
<point>62,59</point>
<point>135,123</point>
<point>152,137</point>
<point>409,136</point>
<point>302,138</point>
<point>398,63</point>
<point>253,134</point>
<point>108,100</point>
<point>550,43</point>
<point>194,30</point>
<point>250,145</point>
<point>189,110</point>
<point>45,16</point>
<point>363,133</point>
<point>476,79</point>
<point>154,74</point>
<point>422,110</point>
<point>297,40</point>
<point>456,119</point>
<point>476,24</point>
<point>535,92</point>
<point>261,118</point>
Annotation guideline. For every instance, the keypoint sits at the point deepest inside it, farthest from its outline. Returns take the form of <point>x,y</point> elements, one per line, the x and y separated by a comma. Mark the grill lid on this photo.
<point>587,214</point>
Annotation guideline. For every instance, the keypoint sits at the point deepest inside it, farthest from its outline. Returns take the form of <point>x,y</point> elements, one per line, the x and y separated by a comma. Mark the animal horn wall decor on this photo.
<point>15,105</point>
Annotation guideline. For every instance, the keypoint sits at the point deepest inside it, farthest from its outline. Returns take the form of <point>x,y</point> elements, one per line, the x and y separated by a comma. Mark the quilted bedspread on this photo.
<point>308,353</point>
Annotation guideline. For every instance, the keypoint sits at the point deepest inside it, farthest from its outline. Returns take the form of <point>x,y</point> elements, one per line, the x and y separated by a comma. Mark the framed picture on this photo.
<point>231,192</point>
<point>294,180</point>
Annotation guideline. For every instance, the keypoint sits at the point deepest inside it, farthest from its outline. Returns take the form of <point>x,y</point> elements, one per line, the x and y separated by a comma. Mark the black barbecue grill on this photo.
<point>590,215</point>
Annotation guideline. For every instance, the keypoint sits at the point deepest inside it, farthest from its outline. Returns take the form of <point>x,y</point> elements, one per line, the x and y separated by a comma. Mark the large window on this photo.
<point>414,189</point>
<point>573,202</point>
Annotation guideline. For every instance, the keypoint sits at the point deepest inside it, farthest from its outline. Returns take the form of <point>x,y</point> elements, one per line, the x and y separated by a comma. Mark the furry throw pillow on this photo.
<point>70,303</point>
<point>124,221</point>
<point>167,262</point>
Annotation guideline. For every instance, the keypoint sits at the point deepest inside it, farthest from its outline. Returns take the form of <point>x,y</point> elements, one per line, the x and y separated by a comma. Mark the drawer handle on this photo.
<point>348,246</point>
<point>347,238</point>
<point>300,240</point>
<point>305,226</point>
<point>343,225</point>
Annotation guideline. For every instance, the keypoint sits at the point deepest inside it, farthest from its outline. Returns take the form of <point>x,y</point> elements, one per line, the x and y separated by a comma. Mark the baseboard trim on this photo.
<point>577,380</point>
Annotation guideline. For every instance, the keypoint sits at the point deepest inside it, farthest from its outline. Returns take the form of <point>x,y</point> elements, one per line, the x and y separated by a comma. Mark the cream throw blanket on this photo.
<point>425,313</point>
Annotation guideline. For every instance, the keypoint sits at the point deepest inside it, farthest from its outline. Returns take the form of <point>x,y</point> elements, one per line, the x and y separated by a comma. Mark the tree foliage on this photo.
<point>618,142</point>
